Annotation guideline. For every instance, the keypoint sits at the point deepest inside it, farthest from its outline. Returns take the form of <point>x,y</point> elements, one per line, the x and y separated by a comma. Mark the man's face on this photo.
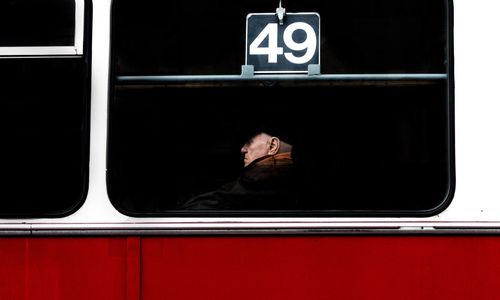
<point>255,148</point>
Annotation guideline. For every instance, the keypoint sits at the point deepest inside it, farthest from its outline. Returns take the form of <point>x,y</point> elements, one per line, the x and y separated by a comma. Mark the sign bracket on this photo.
<point>280,12</point>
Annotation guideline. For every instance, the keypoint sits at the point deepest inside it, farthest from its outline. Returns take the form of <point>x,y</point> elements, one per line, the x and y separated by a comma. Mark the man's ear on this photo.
<point>274,146</point>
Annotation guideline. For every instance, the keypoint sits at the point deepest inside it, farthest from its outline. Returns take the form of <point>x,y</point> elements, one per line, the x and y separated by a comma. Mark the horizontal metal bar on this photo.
<point>263,232</point>
<point>323,77</point>
<point>28,51</point>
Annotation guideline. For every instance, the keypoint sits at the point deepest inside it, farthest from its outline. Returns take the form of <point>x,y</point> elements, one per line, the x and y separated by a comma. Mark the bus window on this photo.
<point>45,108</point>
<point>360,91</point>
<point>49,27</point>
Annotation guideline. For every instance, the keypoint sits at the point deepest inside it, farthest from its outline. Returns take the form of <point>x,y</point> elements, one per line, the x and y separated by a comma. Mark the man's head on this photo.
<point>262,145</point>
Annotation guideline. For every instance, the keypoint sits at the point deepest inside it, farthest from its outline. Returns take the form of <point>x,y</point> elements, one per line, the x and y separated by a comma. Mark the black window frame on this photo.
<point>450,156</point>
<point>83,57</point>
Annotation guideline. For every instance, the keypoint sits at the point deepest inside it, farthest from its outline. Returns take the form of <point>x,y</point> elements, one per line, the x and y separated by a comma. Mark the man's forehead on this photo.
<point>258,136</point>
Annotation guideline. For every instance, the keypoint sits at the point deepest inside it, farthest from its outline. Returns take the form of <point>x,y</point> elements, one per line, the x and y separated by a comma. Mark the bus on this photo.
<point>249,150</point>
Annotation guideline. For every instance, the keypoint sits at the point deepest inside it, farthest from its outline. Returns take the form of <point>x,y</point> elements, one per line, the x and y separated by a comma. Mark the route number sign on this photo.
<point>287,48</point>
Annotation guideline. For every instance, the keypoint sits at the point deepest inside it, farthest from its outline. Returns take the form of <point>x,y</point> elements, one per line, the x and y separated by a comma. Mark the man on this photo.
<point>266,182</point>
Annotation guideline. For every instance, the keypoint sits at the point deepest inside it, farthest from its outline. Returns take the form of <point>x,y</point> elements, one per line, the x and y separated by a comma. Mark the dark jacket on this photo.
<point>267,183</point>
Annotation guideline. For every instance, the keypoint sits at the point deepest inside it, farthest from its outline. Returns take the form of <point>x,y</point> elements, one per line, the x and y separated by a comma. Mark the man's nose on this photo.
<point>243,150</point>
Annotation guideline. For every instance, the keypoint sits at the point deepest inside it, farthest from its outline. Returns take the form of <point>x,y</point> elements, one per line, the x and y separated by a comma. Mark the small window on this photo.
<point>45,110</point>
<point>49,27</point>
<point>357,93</point>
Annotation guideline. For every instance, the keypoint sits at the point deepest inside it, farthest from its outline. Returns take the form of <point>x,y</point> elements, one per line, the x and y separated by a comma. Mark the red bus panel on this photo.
<point>354,267</point>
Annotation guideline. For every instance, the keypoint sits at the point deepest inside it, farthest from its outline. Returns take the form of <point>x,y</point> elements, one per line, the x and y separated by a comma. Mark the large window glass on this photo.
<point>44,109</point>
<point>363,128</point>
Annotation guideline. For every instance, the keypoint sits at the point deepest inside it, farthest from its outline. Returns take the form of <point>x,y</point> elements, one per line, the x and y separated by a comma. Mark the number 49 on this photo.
<point>272,51</point>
